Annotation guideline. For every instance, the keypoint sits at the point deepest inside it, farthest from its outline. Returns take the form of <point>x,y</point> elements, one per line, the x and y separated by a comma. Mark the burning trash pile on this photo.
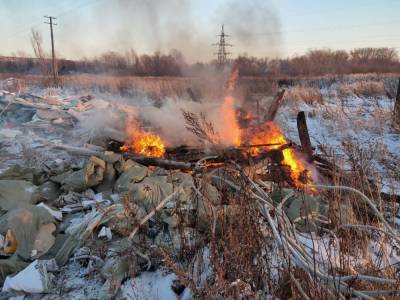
<point>242,214</point>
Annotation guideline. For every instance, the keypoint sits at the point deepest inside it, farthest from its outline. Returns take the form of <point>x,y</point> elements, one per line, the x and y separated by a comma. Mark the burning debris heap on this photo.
<point>231,219</point>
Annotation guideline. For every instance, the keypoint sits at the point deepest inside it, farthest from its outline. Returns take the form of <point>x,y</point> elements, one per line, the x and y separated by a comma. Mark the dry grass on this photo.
<point>309,95</point>
<point>362,89</point>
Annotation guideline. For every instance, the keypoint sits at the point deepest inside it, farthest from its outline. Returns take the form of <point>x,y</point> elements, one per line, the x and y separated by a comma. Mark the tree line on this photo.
<point>313,63</point>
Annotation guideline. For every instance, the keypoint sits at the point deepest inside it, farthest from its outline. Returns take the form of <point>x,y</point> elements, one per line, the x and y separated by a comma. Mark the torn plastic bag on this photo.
<point>25,224</point>
<point>112,157</point>
<point>10,266</point>
<point>17,172</point>
<point>49,191</point>
<point>35,278</point>
<point>85,229</point>
<point>17,193</point>
<point>109,178</point>
<point>304,208</point>
<point>150,192</point>
<point>91,175</point>
<point>129,177</point>
<point>124,222</point>
<point>115,270</point>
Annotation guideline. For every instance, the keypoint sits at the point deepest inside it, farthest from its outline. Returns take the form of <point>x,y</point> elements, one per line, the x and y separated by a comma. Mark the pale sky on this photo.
<point>257,27</point>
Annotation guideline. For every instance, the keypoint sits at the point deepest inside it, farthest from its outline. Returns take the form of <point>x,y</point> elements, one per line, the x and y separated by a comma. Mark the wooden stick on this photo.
<point>260,145</point>
<point>153,212</point>
<point>273,109</point>
<point>80,151</point>
<point>159,162</point>
<point>147,161</point>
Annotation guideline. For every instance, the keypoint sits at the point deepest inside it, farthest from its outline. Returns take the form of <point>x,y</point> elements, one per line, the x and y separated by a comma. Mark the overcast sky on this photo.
<point>275,28</point>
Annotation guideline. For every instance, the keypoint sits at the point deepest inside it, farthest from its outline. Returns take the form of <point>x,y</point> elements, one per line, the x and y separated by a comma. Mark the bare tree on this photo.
<point>37,45</point>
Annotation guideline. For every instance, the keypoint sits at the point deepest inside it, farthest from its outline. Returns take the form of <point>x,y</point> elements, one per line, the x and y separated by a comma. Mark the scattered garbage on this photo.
<point>105,232</point>
<point>35,278</point>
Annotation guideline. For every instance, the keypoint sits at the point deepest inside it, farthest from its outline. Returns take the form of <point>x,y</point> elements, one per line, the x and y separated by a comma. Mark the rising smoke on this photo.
<point>160,25</point>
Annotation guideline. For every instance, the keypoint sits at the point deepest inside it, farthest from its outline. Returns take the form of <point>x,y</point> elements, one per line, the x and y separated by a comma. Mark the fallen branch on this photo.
<point>368,201</point>
<point>147,161</point>
<point>80,151</point>
<point>159,162</point>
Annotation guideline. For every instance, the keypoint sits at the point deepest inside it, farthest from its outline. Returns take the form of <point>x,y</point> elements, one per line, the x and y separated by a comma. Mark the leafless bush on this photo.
<point>37,45</point>
<point>200,127</point>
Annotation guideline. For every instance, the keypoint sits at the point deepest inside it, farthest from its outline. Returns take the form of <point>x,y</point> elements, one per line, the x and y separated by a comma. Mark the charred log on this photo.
<point>162,163</point>
<point>304,136</point>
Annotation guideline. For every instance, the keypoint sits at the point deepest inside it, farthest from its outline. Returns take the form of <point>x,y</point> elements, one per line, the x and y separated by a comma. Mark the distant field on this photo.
<point>212,86</point>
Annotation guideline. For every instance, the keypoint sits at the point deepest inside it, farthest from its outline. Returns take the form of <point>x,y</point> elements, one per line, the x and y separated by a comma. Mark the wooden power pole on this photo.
<point>53,55</point>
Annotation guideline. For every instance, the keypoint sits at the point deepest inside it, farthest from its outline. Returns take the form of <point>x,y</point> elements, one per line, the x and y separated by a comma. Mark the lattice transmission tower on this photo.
<point>222,54</point>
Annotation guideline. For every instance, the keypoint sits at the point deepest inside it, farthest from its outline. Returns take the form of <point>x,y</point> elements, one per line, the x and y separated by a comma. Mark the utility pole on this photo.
<point>222,44</point>
<point>52,47</point>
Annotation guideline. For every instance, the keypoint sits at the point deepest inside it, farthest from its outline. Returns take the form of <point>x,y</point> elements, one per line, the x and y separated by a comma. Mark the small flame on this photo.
<point>147,144</point>
<point>232,80</point>
<point>270,133</point>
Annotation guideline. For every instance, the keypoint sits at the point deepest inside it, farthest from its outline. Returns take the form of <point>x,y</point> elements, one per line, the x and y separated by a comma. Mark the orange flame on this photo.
<point>230,132</point>
<point>272,134</point>
<point>269,133</point>
<point>147,144</point>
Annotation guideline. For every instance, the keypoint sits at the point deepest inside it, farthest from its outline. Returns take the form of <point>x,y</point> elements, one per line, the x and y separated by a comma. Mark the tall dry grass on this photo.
<point>362,89</point>
<point>309,95</point>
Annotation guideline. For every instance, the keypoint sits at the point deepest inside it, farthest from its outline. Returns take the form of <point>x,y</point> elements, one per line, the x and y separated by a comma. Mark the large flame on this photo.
<point>230,131</point>
<point>144,143</point>
<point>268,133</point>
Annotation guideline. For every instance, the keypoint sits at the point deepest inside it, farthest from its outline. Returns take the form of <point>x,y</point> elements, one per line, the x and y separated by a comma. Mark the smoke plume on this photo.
<point>157,25</point>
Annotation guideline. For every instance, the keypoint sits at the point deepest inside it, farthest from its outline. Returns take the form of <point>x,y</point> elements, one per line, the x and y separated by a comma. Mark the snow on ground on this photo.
<point>151,286</point>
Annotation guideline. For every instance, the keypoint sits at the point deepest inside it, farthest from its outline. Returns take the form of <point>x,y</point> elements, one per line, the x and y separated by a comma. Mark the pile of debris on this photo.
<point>206,225</point>
<point>120,218</point>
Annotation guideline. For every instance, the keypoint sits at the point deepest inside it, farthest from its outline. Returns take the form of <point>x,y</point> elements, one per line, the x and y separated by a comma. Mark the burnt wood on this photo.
<point>273,109</point>
<point>304,136</point>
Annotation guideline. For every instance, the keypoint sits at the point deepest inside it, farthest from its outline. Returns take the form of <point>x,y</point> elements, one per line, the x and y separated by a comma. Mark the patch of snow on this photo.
<point>151,286</point>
